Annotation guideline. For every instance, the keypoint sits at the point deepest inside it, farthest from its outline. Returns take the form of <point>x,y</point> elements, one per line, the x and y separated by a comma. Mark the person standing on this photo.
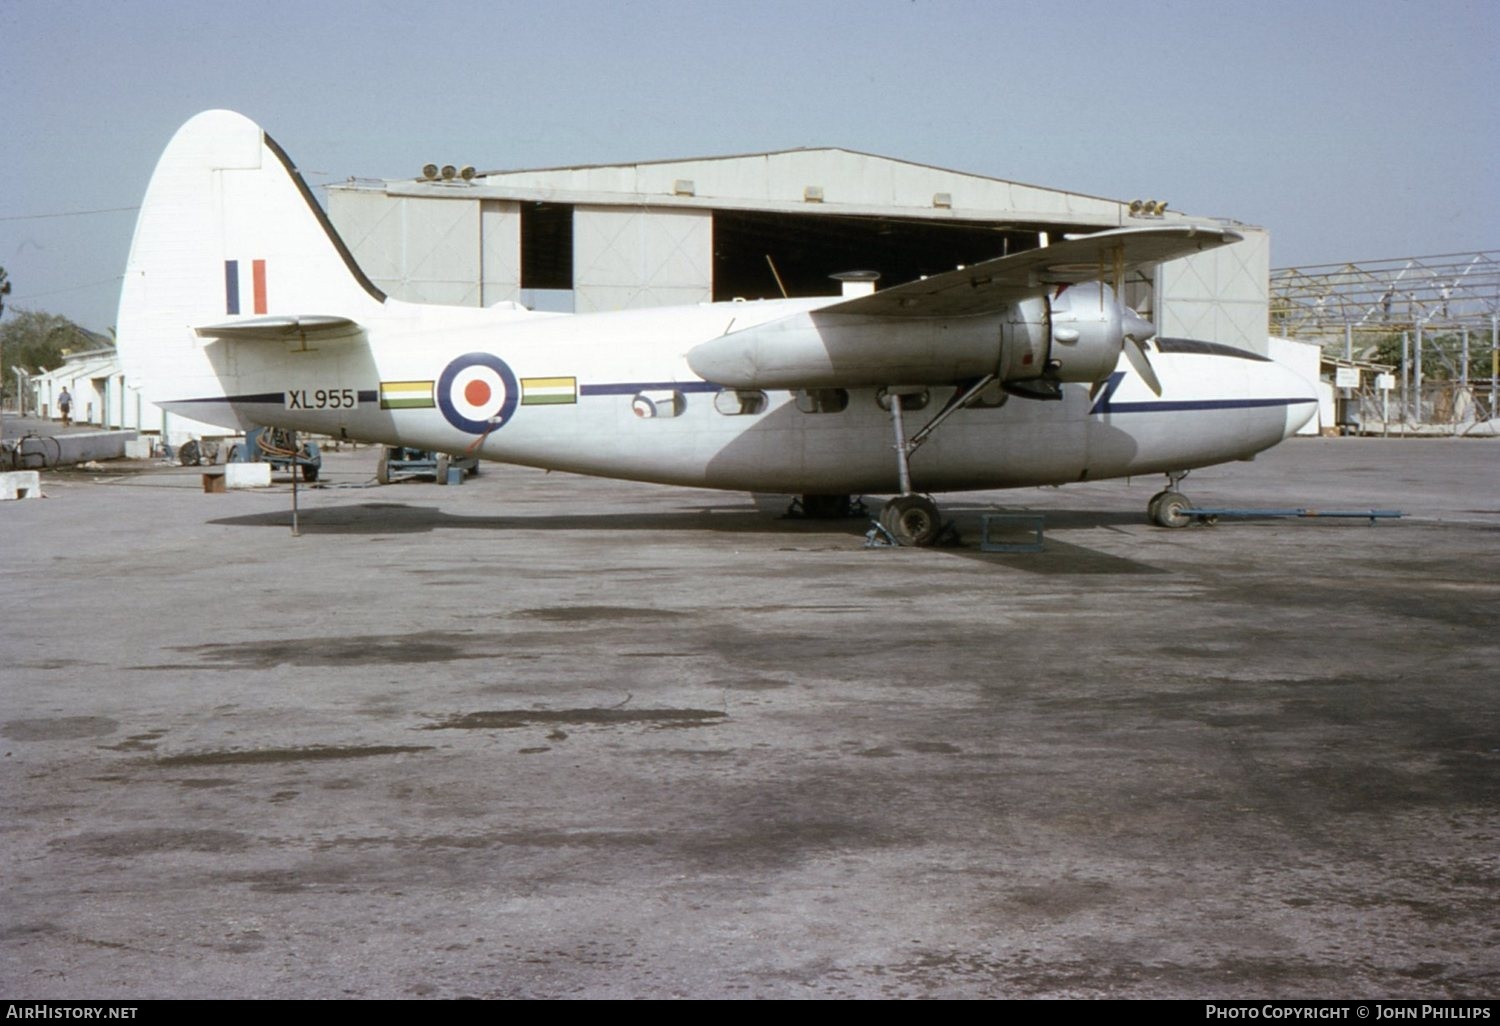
<point>65,404</point>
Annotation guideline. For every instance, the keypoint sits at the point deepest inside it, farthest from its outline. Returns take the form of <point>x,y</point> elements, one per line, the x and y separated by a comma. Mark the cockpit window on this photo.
<point>1193,345</point>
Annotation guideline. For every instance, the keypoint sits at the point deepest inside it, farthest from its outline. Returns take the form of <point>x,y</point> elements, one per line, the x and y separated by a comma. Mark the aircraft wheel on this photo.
<point>309,473</point>
<point>1155,504</point>
<point>912,519</point>
<point>1169,511</point>
<point>442,468</point>
<point>383,468</point>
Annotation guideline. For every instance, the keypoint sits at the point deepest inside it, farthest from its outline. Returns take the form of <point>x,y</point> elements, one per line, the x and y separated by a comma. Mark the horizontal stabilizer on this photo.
<point>984,287</point>
<point>314,328</point>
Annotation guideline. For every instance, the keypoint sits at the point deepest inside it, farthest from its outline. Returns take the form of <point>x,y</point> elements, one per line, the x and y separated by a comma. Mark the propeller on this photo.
<point>1088,341</point>
<point>1135,329</point>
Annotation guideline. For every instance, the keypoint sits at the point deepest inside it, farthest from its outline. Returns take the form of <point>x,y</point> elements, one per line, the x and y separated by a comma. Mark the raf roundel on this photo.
<point>477,393</point>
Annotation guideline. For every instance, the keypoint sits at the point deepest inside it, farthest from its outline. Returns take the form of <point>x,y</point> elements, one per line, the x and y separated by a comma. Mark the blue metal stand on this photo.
<point>1032,522</point>
<point>1209,515</point>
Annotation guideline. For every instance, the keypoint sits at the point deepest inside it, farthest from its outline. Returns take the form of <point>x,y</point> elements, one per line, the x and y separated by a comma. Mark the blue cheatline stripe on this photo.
<point>1180,405</point>
<point>365,396</point>
<point>624,389</point>
<point>632,387</point>
<point>232,286</point>
<point>260,397</point>
<point>1104,404</point>
<point>1101,405</point>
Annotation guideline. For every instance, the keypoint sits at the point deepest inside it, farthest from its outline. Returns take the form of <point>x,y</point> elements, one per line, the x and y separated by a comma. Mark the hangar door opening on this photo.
<point>807,248</point>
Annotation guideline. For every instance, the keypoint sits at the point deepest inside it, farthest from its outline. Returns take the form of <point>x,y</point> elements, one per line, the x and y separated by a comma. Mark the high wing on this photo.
<point>1004,317</point>
<point>983,287</point>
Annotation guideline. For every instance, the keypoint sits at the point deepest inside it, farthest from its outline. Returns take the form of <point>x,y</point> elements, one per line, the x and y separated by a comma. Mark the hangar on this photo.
<point>750,226</point>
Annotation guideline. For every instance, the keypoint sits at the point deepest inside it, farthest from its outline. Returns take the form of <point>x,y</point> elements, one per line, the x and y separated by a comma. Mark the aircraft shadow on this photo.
<point>1057,558</point>
<point>379,518</point>
<point>1056,519</point>
<point>399,518</point>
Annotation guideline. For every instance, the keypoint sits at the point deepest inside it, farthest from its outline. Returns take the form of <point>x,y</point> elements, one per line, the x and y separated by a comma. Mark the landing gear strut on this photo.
<point>1166,507</point>
<point>909,518</point>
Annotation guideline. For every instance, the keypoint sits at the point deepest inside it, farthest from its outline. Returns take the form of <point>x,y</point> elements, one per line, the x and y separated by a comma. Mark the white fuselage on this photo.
<point>582,383</point>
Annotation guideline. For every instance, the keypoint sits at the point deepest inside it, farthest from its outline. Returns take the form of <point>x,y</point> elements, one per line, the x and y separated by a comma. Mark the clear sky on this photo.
<point>1351,129</point>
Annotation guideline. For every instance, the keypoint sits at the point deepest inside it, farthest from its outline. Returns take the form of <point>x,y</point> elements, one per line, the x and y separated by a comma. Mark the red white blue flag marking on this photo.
<point>477,393</point>
<point>255,287</point>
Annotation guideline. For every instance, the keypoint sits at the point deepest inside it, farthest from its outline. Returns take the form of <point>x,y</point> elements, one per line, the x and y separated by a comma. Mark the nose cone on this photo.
<point>1133,325</point>
<point>1302,400</point>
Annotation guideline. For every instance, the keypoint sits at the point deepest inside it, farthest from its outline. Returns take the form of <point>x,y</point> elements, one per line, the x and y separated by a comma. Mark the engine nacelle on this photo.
<point>1073,335</point>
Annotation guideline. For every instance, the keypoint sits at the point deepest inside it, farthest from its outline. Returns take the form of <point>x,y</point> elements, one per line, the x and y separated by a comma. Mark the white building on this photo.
<point>102,397</point>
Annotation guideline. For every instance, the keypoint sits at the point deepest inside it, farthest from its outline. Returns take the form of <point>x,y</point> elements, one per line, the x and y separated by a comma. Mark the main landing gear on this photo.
<point>912,520</point>
<point>909,518</point>
<point>1166,507</point>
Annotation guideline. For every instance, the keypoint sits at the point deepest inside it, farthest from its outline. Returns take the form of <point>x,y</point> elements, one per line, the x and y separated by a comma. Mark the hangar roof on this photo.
<point>831,180</point>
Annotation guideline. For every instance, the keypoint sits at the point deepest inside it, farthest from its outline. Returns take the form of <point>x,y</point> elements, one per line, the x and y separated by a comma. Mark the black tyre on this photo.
<point>1155,504</point>
<point>1169,511</point>
<point>912,520</point>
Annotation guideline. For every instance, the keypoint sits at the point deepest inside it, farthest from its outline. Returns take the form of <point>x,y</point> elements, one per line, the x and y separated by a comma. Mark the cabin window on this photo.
<point>910,401</point>
<point>739,402</point>
<point>821,400</point>
<point>657,403</point>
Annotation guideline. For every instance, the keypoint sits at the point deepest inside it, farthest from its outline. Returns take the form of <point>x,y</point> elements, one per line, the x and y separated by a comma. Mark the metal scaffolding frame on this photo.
<point>1444,308</point>
<point>1451,290</point>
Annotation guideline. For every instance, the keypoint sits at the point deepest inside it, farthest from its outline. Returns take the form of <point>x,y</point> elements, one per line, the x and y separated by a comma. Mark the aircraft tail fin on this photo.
<point>228,231</point>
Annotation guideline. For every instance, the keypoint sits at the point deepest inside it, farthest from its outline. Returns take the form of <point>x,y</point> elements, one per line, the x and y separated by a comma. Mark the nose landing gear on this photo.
<point>1166,507</point>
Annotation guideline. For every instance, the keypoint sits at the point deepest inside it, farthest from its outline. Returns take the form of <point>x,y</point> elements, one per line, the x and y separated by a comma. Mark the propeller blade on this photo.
<point>1136,354</point>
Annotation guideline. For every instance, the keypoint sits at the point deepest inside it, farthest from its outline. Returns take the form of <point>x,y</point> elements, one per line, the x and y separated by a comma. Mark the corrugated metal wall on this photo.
<point>626,258</point>
<point>1218,296</point>
<point>461,253</point>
